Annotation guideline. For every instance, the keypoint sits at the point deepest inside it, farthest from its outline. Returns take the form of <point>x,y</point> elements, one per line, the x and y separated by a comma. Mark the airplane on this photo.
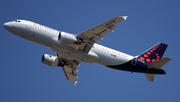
<point>72,49</point>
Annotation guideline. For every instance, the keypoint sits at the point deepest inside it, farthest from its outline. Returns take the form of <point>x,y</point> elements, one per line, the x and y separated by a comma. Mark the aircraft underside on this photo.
<point>128,66</point>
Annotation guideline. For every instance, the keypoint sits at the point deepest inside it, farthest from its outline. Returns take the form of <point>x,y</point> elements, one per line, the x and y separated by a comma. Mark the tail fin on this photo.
<point>154,53</point>
<point>152,57</point>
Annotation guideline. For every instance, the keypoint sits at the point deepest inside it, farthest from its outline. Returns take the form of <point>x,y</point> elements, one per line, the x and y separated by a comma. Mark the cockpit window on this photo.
<point>17,21</point>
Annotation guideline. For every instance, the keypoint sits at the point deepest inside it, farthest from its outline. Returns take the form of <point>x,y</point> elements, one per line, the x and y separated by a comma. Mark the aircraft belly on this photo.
<point>71,53</point>
<point>134,68</point>
<point>75,55</point>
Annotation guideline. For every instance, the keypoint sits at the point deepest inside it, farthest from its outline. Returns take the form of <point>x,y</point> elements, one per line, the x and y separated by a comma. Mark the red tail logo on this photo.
<point>153,54</point>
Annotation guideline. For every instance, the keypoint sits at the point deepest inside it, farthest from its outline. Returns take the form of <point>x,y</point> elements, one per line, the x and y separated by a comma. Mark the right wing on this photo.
<point>90,36</point>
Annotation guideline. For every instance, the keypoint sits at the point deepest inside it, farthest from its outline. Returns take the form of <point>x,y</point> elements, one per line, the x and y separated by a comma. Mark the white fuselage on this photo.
<point>48,37</point>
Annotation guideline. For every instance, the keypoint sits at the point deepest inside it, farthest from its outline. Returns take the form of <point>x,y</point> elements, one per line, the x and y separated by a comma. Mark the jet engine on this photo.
<point>68,38</point>
<point>51,60</point>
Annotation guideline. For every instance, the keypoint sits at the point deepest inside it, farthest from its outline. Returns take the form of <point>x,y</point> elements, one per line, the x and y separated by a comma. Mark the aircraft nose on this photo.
<point>7,25</point>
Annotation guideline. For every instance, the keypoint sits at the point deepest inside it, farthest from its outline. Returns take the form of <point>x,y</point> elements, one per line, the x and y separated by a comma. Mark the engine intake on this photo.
<point>67,38</point>
<point>51,60</point>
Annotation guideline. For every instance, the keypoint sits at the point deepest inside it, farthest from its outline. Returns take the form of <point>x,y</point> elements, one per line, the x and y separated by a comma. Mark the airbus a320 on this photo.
<point>72,49</point>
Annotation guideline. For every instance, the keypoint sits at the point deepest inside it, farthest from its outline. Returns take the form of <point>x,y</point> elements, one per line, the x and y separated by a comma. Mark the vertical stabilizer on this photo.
<point>154,53</point>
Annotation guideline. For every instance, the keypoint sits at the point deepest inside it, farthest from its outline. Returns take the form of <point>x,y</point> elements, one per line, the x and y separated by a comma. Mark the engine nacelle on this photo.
<point>50,60</point>
<point>67,38</point>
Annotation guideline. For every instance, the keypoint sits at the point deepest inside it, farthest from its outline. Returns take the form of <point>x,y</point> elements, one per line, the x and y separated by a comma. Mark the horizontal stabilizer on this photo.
<point>159,63</point>
<point>150,77</point>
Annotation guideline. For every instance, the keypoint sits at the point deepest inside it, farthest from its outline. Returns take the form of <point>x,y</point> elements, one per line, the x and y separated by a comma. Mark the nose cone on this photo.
<point>7,25</point>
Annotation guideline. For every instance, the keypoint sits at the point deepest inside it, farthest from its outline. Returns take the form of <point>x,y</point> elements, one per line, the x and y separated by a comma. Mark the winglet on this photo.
<point>75,83</point>
<point>125,17</point>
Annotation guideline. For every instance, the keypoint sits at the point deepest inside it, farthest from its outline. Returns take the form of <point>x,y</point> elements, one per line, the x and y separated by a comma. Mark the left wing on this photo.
<point>70,73</point>
<point>70,68</point>
<point>90,36</point>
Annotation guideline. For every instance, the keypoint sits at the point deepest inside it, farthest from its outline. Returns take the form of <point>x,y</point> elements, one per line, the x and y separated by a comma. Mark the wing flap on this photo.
<point>70,73</point>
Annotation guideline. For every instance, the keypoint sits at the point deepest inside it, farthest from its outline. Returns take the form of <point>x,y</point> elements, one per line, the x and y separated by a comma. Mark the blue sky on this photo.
<point>23,78</point>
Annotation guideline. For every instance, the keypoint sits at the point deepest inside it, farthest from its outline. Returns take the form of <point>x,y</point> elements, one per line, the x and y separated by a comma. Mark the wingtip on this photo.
<point>125,17</point>
<point>75,83</point>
